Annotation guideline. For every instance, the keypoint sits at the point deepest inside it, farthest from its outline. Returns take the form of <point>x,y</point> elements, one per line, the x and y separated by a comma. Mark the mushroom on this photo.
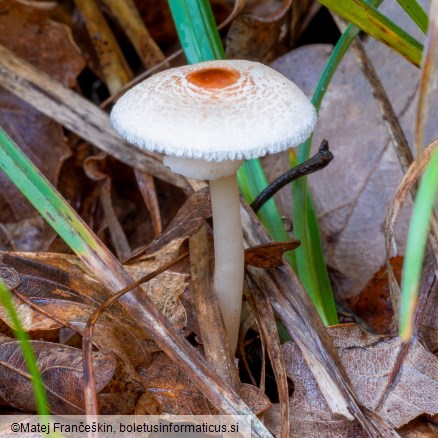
<point>207,118</point>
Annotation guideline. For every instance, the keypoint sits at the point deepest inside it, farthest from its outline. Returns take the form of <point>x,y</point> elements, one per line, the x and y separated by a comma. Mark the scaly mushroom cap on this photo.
<point>215,111</point>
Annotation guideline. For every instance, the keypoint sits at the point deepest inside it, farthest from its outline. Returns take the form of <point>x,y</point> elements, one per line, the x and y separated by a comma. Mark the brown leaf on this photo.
<point>27,31</point>
<point>256,33</point>
<point>176,394</point>
<point>61,369</point>
<point>52,48</point>
<point>179,396</point>
<point>187,222</point>
<point>69,271</point>
<point>269,255</point>
<point>373,304</point>
<point>418,429</point>
<point>67,295</point>
<point>397,383</point>
<point>124,391</point>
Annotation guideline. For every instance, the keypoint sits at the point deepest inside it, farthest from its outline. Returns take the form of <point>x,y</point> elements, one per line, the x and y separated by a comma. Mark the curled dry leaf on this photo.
<point>179,396</point>
<point>26,30</point>
<point>418,429</point>
<point>61,370</point>
<point>269,255</point>
<point>59,287</point>
<point>398,383</point>
<point>258,33</point>
<point>185,224</point>
<point>373,304</point>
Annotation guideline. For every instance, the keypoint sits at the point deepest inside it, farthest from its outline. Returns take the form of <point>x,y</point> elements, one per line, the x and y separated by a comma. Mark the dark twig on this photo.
<point>320,160</point>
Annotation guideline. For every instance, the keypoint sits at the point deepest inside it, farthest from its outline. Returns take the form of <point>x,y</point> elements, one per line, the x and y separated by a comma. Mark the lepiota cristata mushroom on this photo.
<point>207,118</point>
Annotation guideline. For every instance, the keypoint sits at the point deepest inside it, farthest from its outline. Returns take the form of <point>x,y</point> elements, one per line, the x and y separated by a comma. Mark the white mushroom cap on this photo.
<point>215,111</point>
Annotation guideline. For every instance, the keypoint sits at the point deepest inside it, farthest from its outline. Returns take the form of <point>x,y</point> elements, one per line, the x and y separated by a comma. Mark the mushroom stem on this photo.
<point>228,252</point>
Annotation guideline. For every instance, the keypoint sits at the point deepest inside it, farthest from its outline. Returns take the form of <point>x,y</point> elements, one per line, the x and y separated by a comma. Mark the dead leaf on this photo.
<point>258,33</point>
<point>124,392</point>
<point>60,288</point>
<point>187,222</point>
<point>418,429</point>
<point>61,369</point>
<point>49,289</point>
<point>396,383</point>
<point>179,396</point>
<point>269,255</point>
<point>176,394</point>
<point>373,303</point>
<point>26,30</point>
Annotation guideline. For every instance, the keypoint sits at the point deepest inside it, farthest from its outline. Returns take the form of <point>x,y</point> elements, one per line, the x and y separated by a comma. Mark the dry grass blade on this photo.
<point>94,167</point>
<point>398,137</point>
<point>291,302</point>
<point>177,349</point>
<point>126,13</point>
<point>247,322</point>
<point>87,340</point>
<point>428,79</point>
<point>146,185</point>
<point>114,68</point>
<point>118,237</point>
<point>78,115</point>
<point>409,180</point>
<point>266,321</point>
<point>214,338</point>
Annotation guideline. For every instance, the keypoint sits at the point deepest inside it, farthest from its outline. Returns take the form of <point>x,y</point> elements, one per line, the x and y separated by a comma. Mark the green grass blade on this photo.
<point>197,30</point>
<point>371,21</point>
<point>416,245</point>
<point>42,404</point>
<point>416,12</point>
<point>52,206</point>
<point>311,267</point>
<point>200,41</point>
<point>252,180</point>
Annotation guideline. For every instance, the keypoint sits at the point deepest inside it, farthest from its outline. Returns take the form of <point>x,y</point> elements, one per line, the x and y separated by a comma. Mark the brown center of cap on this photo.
<point>213,77</point>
